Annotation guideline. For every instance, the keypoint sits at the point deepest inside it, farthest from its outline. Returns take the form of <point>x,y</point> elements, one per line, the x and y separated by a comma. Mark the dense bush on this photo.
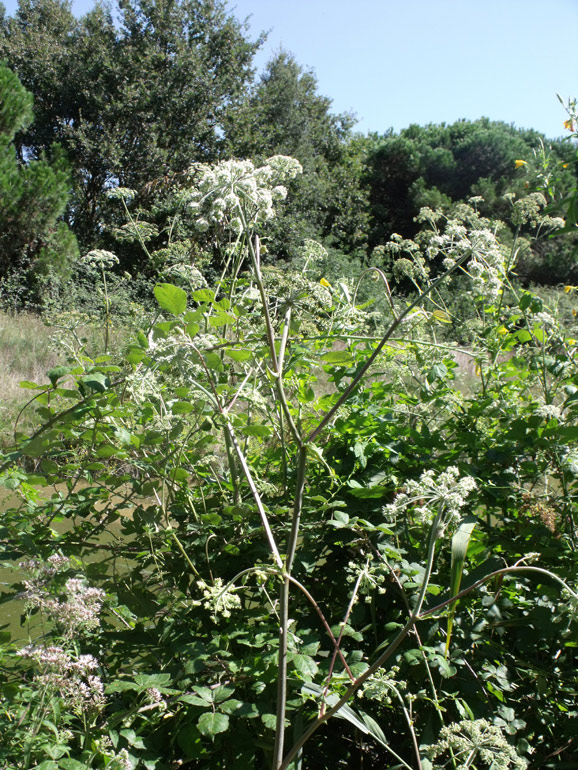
<point>263,516</point>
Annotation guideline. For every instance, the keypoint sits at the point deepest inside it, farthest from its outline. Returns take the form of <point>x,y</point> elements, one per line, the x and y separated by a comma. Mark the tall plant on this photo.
<point>286,502</point>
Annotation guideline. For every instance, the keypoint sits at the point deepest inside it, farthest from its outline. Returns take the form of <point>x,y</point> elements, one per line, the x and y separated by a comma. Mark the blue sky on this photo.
<point>396,62</point>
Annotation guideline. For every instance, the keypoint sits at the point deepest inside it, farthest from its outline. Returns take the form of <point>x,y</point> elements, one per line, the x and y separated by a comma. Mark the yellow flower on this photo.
<point>520,163</point>
<point>568,289</point>
<point>325,283</point>
<point>565,165</point>
<point>569,124</point>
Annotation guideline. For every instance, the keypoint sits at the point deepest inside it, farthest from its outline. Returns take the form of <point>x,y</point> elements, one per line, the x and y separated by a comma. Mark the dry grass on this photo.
<point>26,353</point>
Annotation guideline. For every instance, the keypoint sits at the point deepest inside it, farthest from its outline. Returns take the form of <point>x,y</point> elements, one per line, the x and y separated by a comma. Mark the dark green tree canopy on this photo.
<point>436,164</point>
<point>132,101</point>
<point>33,196</point>
<point>285,114</point>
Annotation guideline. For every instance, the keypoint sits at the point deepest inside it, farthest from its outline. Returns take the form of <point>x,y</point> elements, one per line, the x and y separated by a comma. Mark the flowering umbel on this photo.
<point>476,741</point>
<point>236,193</point>
<point>444,493</point>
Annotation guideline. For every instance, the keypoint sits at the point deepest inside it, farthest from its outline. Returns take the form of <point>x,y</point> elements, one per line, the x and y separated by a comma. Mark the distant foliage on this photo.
<point>34,242</point>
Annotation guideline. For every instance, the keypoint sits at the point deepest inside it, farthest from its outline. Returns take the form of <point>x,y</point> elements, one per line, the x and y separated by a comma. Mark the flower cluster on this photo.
<point>444,493</point>
<point>100,259</point>
<point>44,570</point>
<point>77,611</point>
<point>380,686</point>
<point>549,412</point>
<point>217,599</point>
<point>371,578</point>
<point>468,235</point>
<point>465,237</point>
<point>72,677</point>
<point>313,253</point>
<point>476,741</point>
<point>236,192</point>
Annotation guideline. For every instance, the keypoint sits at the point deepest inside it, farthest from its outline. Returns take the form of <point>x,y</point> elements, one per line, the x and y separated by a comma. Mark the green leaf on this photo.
<point>341,357</point>
<point>221,319</point>
<point>171,298</point>
<point>192,329</point>
<point>97,381</point>
<point>41,444</point>
<point>194,700</point>
<point>239,354</point>
<point>222,692</point>
<point>305,665</point>
<point>182,407</point>
<point>203,295</point>
<point>368,493</point>
<point>260,431</point>
<point>212,723</point>
<point>31,385</point>
<point>269,720</point>
<point>460,542</point>
<point>374,729</point>
<point>57,373</point>
<point>345,712</point>
<point>133,739</point>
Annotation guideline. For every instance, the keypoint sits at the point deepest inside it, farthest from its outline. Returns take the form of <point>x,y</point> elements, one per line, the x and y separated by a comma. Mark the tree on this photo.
<point>440,164</point>
<point>33,196</point>
<point>129,102</point>
<point>284,114</point>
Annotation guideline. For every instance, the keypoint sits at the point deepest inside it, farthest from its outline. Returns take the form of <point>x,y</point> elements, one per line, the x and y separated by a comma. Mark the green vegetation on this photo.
<point>296,482</point>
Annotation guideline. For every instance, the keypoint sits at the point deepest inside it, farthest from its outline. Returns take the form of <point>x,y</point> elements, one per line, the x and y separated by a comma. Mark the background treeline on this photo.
<point>133,94</point>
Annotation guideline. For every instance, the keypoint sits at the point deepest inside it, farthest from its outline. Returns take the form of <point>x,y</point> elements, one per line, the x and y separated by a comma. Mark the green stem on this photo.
<point>392,647</point>
<point>386,337</point>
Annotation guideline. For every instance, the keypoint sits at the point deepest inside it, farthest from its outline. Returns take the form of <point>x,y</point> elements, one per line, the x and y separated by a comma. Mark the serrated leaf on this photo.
<point>194,700</point>
<point>221,319</point>
<point>222,693</point>
<point>72,764</point>
<point>28,385</point>
<point>269,720</point>
<point>441,316</point>
<point>305,665</point>
<point>57,373</point>
<point>212,723</point>
<point>192,329</point>
<point>232,705</point>
<point>368,493</point>
<point>133,739</point>
<point>203,295</point>
<point>260,431</point>
<point>171,298</point>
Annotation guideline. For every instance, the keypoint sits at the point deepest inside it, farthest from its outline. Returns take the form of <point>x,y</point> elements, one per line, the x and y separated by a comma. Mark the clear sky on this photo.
<point>396,62</point>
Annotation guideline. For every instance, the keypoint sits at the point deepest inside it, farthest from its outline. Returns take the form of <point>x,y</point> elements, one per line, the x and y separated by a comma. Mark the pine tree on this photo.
<point>33,195</point>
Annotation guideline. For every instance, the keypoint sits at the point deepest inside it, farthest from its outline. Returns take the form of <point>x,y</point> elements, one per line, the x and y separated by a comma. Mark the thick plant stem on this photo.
<point>256,496</point>
<point>350,692</point>
<point>284,609</point>
<point>232,467</point>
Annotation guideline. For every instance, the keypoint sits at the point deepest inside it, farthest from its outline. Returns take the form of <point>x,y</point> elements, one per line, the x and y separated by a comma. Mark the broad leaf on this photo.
<point>212,723</point>
<point>171,298</point>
